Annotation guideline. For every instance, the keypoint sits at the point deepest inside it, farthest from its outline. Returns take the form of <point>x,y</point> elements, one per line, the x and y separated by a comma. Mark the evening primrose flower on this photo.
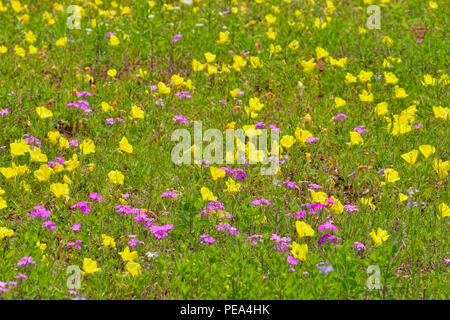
<point>232,185</point>
<point>125,146</point>
<point>380,236</point>
<point>223,37</point>
<point>308,66</point>
<point>390,78</point>
<point>90,266</point>
<point>321,53</point>
<point>441,167</point>
<point>116,177</point>
<point>87,147</point>
<point>59,189</point>
<point>44,113</point>
<point>381,109</point>
<point>428,80</point>
<point>137,113</point>
<point>61,42</point>
<point>217,173</point>
<point>5,232</point>
<point>207,195</point>
<point>163,89</point>
<point>43,173</point>
<point>355,138</point>
<point>303,229</point>
<point>365,76</point>
<point>19,148</point>
<point>108,241</point>
<point>112,72</point>
<point>339,102</point>
<point>299,251</point>
<point>366,96</point>
<point>443,209</point>
<point>113,40</point>
<point>133,268</point>
<point>127,255</point>
<point>391,175</point>
<point>427,150</point>
<point>400,93</point>
<point>3,203</point>
<point>287,141</point>
<point>411,156</point>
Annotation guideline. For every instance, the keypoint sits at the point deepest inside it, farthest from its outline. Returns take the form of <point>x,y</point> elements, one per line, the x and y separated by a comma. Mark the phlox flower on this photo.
<point>206,238</point>
<point>83,205</point>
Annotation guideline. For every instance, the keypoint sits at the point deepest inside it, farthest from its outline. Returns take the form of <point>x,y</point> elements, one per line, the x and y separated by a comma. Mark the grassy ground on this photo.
<point>296,58</point>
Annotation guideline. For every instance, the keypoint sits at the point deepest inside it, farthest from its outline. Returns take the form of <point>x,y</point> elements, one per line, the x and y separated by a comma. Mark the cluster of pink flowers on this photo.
<point>281,243</point>
<point>260,202</point>
<point>81,104</point>
<point>206,238</point>
<point>254,239</point>
<point>170,193</point>
<point>181,119</point>
<point>160,231</point>
<point>227,228</point>
<point>39,212</point>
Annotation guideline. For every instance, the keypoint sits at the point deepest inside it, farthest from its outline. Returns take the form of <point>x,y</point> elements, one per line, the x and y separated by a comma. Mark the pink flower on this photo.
<point>76,226</point>
<point>83,205</point>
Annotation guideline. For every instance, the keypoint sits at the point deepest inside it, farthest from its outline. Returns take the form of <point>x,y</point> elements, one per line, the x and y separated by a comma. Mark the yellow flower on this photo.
<point>365,76</point>
<point>116,177</point>
<point>400,92</point>
<point>32,49</point>
<point>105,106</point>
<point>440,112</point>
<point>2,192</point>
<point>441,167</point>
<point>271,34</point>
<point>349,78</point>
<point>176,80</point>
<point>402,197</point>
<point>133,268</point>
<point>43,173</point>
<point>380,236</point>
<point>387,41</point>
<point>19,148</point>
<point>223,37</point>
<point>5,232</point>
<point>293,45</point>
<point>90,266</point>
<point>428,80</point>
<point>390,78</point>
<point>108,241</point>
<point>303,229</point>
<point>233,186</point>
<point>3,49</point>
<point>53,136</point>
<point>339,102</point>
<point>368,202</point>
<point>3,203</point>
<point>287,141</point>
<point>197,65</point>
<point>163,89</point>
<point>210,57</point>
<point>391,175</point>
<point>411,156</point>
<point>16,6</point>
<point>59,189</point>
<point>433,5</point>
<point>302,135</point>
<point>61,42</point>
<point>366,96</point>
<point>427,150</point>
<point>30,37</point>
<point>321,53</point>
<point>299,251</point>
<point>8,173</point>
<point>127,255</point>
<point>255,63</point>
<point>270,18</point>
<point>308,66</point>
<point>217,173</point>
<point>444,210</point>
<point>44,113</point>
<point>318,197</point>
<point>113,40</point>
<point>125,146</point>
<point>137,113</point>
<point>355,138</point>
<point>112,73</point>
<point>207,195</point>
<point>238,63</point>
<point>381,108</point>
<point>87,147</point>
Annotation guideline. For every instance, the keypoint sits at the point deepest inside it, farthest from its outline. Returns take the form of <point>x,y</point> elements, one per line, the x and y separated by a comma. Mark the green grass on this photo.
<point>411,261</point>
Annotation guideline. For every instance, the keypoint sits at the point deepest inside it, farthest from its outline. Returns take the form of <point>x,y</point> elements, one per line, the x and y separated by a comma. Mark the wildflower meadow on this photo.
<point>204,149</point>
